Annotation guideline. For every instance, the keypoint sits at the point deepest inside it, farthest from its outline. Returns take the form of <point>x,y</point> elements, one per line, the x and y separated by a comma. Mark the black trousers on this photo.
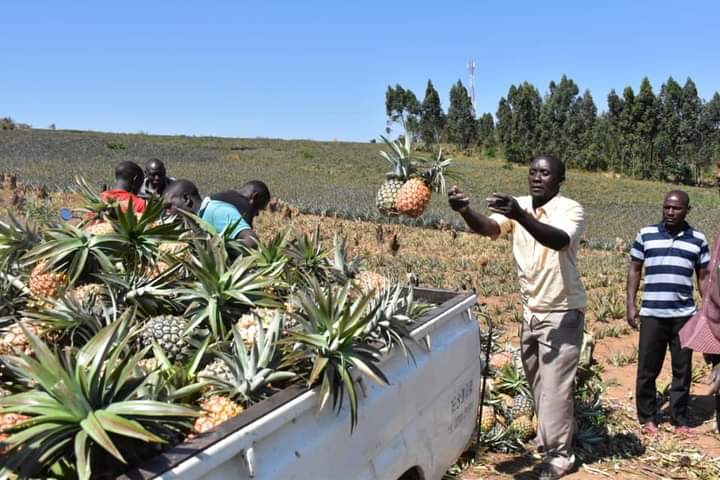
<point>656,334</point>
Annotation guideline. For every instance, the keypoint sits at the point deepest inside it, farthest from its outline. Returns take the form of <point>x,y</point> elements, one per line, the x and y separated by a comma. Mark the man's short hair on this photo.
<point>128,171</point>
<point>257,187</point>
<point>557,164</point>
<point>681,195</point>
<point>181,187</point>
<point>154,163</point>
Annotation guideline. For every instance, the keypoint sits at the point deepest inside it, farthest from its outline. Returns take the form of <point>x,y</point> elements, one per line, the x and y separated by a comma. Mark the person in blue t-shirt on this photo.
<point>224,211</point>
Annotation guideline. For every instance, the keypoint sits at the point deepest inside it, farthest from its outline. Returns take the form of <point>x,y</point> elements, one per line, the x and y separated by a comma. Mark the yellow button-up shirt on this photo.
<point>549,279</point>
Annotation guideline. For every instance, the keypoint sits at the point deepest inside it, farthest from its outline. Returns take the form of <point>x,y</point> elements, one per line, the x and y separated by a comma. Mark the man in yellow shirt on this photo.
<point>546,228</point>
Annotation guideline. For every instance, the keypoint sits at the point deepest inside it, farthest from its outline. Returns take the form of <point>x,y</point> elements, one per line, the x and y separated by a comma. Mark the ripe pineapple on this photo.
<point>488,418</point>
<point>522,406</point>
<point>46,284</point>
<point>13,340</point>
<point>218,410</point>
<point>168,332</point>
<point>100,228</point>
<point>7,421</point>
<point>414,196</point>
<point>402,166</point>
<point>386,195</point>
<point>247,323</point>
<point>522,427</point>
<point>369,281</point>
<point>90,292</point>
<point>216,369</point>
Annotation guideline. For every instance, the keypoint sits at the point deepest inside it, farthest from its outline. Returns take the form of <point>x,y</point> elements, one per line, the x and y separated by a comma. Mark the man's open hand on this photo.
<point>457,199</point>
<point>504,205</point>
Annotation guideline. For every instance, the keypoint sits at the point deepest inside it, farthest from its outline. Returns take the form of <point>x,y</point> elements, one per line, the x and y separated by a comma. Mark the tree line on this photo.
<point>672,135</point>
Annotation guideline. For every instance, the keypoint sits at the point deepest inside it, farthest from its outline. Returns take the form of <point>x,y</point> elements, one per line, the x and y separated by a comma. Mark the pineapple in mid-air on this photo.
<point>414,195</point>
<point>218,409</point>
<point>402,166</point>
<point>385,200</point>
<point>168,332</point>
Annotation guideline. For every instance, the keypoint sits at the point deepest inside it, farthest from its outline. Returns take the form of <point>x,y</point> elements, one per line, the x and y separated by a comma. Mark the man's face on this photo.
<point>543,180</point>
<point>674,211</point>
<point>184,202</point>
<point>155,175</point>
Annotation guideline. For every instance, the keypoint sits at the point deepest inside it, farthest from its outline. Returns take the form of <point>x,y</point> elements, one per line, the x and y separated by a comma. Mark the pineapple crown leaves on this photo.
<point>272,252</point>
<point>76,252</point>
<point>437,172</point>
<point>177,381</point>
<point>307,255</point>
<point>93,205</point>
<point>13,295</point>
<point>16,239</point>
<point>81,398</point>
<point>393,311</point>
<point>511,380</point>
<point>343,269</point>
<point>331,337</point>
<point>75,319</point>
<point>141,237</point>
<point>400,158</point>
<point>252,370</point>
<point>220,292</point>
<point>150,294</point>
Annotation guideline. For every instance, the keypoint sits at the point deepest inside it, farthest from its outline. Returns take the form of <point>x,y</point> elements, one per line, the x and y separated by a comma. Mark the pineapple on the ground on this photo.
<point>522,406</point>
<point>523,427</point>
<point>487,422</point>
<point>218,409</point>
<point>168,331</point>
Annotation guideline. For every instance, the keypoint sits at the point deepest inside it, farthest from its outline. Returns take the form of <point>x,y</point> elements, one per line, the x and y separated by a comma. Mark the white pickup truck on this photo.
<point>414,428</point>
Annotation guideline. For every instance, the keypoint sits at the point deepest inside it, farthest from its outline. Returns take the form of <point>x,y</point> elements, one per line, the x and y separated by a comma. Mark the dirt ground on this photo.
<point>620,394</point>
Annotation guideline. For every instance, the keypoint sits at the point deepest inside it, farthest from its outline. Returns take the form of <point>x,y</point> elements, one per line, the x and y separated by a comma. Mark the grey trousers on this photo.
<point>550,352</point>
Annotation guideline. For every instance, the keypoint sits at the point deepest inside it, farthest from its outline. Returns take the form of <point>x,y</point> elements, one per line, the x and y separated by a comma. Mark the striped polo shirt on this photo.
<point>670,262</point>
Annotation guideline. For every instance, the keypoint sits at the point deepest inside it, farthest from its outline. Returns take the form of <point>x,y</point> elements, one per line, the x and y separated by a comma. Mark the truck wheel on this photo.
<point>412,474</point>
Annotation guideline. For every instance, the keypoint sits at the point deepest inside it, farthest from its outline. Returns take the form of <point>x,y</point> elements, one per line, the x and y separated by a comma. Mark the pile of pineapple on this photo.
<point>508,414</point>
<point>121,335</point>
<point>411,179</point>
<point>508,418</point>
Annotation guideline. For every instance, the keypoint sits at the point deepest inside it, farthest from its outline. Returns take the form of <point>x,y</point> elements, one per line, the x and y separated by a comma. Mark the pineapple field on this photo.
<point>162,337</point>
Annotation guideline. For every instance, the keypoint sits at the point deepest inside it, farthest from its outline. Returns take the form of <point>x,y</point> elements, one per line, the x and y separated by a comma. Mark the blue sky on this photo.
<point>319,69</point>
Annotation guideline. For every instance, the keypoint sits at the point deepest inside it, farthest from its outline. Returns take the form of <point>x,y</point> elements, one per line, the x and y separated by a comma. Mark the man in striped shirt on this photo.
<point>671,252</point>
